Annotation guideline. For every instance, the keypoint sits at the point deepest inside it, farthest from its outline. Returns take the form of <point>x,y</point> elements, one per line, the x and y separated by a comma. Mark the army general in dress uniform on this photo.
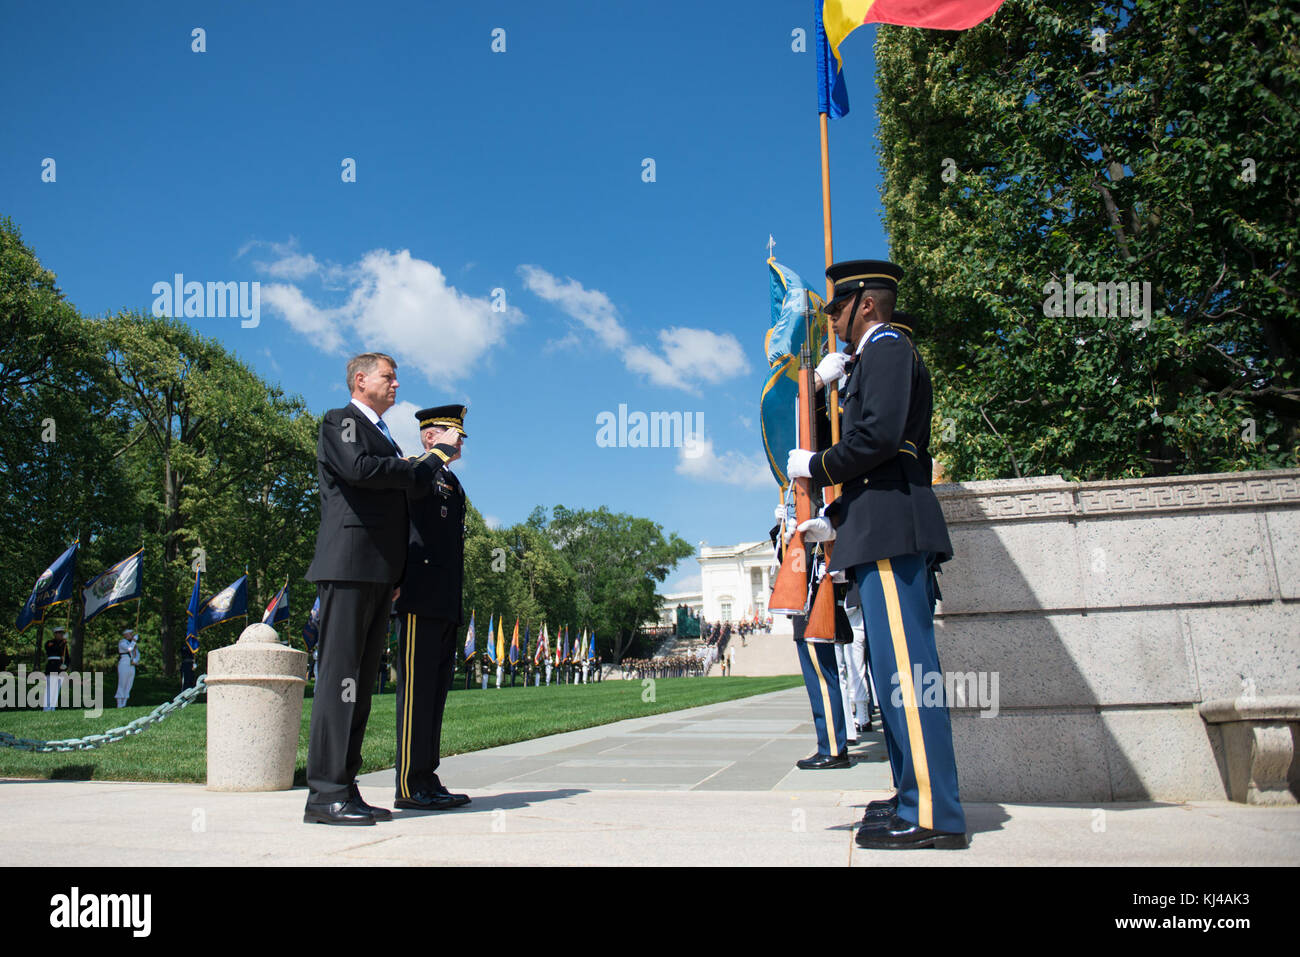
<point>891,536</point>
<point>429,614</point>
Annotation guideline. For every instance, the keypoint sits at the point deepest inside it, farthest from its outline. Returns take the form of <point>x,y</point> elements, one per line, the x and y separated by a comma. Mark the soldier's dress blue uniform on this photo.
<point>429,614</point>
<point>891,535</point>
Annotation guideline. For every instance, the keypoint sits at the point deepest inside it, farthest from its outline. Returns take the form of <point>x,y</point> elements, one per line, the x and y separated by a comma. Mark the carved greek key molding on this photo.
<point>1053,497</point>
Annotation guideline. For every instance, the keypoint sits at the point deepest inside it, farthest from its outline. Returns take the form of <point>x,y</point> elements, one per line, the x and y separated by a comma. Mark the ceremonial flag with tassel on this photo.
<point>278,608</point>
<point>469,639</point>
<point>793,306</point>
<point>53,587</point>
<point>311,630</point>
<point>114,586</point>
<point>231,602</point>
<point>514,645</point>
<point>488,645</point>
<point>192,616</point>
<point>501,643</point>
<point>543,646</point>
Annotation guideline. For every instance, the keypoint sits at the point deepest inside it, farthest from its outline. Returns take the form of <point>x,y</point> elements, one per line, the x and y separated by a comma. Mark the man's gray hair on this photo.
<point>366,363</point>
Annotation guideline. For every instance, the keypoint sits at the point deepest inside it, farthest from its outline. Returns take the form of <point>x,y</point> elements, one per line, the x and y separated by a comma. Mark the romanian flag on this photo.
<point>514,644</point>
<point>836,19</point>
<point>842,17</point>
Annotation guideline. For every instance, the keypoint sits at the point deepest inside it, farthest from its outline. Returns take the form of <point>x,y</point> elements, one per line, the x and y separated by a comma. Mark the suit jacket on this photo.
<point>435,551</point>
<point>882,461</point>
<point>363,483</point>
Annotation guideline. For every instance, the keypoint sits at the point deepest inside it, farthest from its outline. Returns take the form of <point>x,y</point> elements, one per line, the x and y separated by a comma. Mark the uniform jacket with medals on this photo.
<point>882,462</point>
<point>435,553</point>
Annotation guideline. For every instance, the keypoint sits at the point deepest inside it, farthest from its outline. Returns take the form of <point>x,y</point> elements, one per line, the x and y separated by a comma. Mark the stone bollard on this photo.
<point>255,689</point>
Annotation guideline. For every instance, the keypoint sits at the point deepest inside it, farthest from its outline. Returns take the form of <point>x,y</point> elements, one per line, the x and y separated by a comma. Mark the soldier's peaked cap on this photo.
<point>856,275</point>
<point>444,417</point>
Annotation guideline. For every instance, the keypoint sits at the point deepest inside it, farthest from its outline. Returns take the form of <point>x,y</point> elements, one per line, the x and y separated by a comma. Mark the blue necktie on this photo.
<point>388,435</point>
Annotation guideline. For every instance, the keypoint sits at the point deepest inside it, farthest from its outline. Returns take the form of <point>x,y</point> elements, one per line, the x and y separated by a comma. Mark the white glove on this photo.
<point>784,513</point>
<point>831,369</point>
<point>797,465</point>
<point>818,530</point>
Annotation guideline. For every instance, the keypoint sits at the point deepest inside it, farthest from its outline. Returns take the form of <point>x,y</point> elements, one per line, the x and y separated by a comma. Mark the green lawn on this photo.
<point>176,749</point>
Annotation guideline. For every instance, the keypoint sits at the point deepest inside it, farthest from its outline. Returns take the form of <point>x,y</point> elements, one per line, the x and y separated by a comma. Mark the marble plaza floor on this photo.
<point>710,786</point>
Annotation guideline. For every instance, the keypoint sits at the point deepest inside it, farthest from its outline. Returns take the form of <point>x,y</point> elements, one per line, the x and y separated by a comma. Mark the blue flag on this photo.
<point>53,587</point>
<point>311,630</point>
<point>230,602</point>
<point>490,646</point>
<point>832,95</point>
<point>192,616</point>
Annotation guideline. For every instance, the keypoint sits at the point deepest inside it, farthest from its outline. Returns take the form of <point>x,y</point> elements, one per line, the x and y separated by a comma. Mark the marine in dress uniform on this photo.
<point>890,535</point>
<point>56,662</point>
<point>429,609</point>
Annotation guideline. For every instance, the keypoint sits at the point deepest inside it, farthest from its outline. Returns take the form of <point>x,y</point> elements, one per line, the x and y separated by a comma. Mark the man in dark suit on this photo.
<point>890,535</point>
<point>360,555</point>
<point>430,613</point>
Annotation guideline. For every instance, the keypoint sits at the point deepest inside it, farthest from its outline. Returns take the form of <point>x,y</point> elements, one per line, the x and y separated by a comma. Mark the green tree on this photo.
<point>62,475</point>
<point>617,559</point>
<point>231,465</point>
<point>1143,141</point>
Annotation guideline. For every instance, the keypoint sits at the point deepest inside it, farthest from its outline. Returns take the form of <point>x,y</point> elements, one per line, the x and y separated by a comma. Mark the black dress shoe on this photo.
<point>891,803</point>
<point>438,788</point>
<point>820,762</point>
<point>378,813</point>
<point>426,801</point>
<point>900,835</point>
<point>340,812</point>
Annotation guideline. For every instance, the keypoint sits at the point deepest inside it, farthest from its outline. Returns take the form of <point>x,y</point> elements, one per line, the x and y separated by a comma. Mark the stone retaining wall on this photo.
<point>1109,611</point>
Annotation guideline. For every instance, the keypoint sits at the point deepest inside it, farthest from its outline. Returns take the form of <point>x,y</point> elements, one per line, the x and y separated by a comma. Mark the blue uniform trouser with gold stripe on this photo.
<point>822,679</point>
<point>426,664</point>
<point>898,608</point>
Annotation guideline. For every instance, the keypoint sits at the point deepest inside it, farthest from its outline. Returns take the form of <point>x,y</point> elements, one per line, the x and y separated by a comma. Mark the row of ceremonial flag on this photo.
<point>124,582</point>
<point>496,650</point>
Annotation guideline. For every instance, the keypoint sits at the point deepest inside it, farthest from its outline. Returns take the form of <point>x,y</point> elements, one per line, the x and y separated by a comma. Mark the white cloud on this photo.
<point>491,521</point>
<point>688,357</point>
<point>701,461</point>
<point>591,307</point>
<point>397,304</point>
<point>324,327</point>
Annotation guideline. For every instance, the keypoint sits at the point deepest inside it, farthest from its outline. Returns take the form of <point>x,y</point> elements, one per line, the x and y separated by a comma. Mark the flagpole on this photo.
<point>833,392</point>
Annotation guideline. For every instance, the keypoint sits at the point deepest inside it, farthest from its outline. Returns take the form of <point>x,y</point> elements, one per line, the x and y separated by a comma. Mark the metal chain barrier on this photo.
<point>186,697</point>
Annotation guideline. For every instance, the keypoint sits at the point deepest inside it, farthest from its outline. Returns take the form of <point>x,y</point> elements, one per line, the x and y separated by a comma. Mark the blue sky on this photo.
<point>521,171</point>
